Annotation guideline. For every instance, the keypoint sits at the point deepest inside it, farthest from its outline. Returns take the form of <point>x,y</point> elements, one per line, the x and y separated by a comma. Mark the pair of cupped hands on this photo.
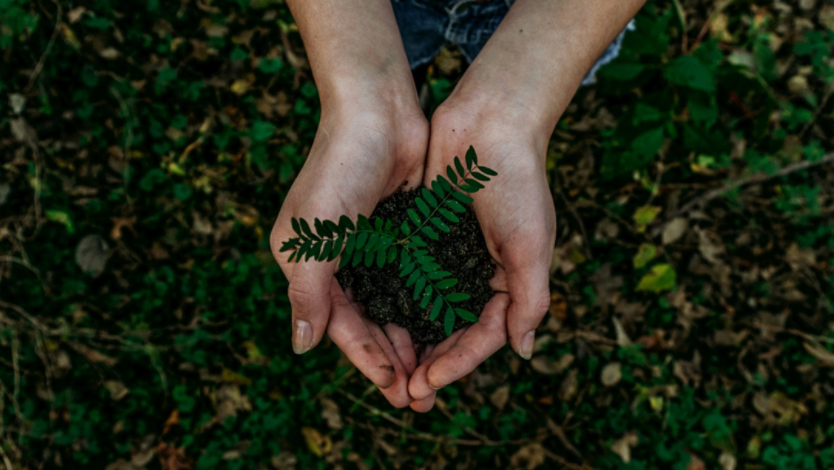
<point>371,145</point>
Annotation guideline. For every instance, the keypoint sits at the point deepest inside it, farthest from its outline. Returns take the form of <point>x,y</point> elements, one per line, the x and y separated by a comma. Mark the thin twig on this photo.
<point>42,60</point>
<point>751,179</point>
<point>818,110</point>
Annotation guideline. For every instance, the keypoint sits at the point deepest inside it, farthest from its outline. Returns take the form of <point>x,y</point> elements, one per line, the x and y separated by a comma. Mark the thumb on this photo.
<point>309,294</point>
<point>529,287</point>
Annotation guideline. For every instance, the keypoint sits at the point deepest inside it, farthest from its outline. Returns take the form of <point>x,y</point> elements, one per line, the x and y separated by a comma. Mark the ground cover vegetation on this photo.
<point>146,148</point>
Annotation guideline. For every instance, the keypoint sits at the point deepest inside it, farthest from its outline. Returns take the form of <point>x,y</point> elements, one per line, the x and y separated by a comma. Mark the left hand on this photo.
<point>518,218</point>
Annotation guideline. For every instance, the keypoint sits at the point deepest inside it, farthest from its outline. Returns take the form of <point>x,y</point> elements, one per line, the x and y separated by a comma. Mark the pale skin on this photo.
<point>373,138</point>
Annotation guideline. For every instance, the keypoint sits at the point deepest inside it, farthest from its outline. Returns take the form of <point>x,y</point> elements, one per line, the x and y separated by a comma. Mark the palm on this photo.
<point>517,216</point>
<point>353,164</point>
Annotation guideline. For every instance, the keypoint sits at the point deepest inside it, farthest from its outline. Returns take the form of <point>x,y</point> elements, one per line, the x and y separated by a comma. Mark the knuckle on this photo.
<point>301,294</point>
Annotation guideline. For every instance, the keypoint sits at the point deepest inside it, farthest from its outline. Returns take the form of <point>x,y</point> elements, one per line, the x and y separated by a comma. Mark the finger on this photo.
<point>498,283</point>
<point>349,332</point>
<point>308,291</point>
<point>424,405</point>
<point>397,393</point>
<point>480,341</point>
<point>529,287</point>
<point>418,385</point>
<point>403,346</point>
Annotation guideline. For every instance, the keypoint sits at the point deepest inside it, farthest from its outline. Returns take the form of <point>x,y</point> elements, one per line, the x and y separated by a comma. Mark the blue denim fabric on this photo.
<point>426,25</point>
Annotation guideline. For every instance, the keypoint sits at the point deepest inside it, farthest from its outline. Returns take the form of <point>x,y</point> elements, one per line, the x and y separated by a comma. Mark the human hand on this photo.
<point>517,216</point>
<point>365,149</point>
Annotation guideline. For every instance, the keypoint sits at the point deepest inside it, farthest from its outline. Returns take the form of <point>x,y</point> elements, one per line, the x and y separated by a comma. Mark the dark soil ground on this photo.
<point>462,251</point>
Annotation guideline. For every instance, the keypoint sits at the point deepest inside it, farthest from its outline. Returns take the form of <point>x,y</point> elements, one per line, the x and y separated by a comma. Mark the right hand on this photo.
<point>366,148</point>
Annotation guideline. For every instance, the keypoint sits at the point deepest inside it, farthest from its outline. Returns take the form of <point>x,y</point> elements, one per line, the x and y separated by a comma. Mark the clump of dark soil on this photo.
<point>462,252</point>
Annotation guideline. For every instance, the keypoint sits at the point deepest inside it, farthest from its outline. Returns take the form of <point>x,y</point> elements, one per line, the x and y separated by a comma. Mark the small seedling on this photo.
<point>379,242</point>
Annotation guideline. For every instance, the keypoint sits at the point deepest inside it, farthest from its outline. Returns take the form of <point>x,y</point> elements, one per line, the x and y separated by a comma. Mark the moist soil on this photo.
<point>462,252</point>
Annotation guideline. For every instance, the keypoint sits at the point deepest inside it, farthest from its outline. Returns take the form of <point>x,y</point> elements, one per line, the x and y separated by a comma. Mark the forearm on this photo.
<point>355,49</point>
<point>539,55</point>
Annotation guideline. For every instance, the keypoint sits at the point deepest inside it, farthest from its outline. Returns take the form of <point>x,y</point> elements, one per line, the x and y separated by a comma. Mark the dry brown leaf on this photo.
<point>611,374</point>
<point>500,396</point>
<point>674,230</point>
<point>825,356</point>
<point>528,457</point>
<point>117,389</point>
<point>94,356</point>
<point>623,445</point>
<point>569,386</point>
<point>543,364</point>
<point>727,461</point>
<point>92,254</point>
<point>172,458</point>
<point>695,463</point>
<point>330,413</point>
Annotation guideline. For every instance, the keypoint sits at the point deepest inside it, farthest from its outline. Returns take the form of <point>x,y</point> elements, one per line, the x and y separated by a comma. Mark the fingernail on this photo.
<point>435,388</point>
<point>526,349</point>
<point>302,336</point>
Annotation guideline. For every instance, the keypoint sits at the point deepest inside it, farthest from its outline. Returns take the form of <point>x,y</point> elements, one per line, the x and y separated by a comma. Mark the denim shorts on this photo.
<point>427,25</point>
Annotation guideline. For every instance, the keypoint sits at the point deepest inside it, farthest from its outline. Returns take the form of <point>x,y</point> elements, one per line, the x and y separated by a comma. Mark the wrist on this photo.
<point>500,113</point>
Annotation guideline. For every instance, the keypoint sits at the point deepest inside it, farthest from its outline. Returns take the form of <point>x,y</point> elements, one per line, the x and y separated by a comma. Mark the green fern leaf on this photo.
<point>480,176</point>
<point>455,205</point>
<point>429,197</point>
<point>360,240</point>
<point>466,315</point>
<point>435,275</point>
<point>413,278</point>
<point>346,224</point>
<point>292,256</point>
<point>459,168</point>
<point>470,154</point>
<point>325,251</point>
<point>430,233</point>
<point>350,245</point>
<point>424,208</point>
<point>444,183</point>
<point>457,297</point>
<point>435,310</point>
<point>357,258</point>
<point>418,288</point>
<point>372,241</point>
<point>451,174</point>
<point>405,228</point>
<point>380,259</point>
<point>332,226</point>
<point>474,183</point>
<point>362,223</point>
<point>430,267</point>
<point>449,321</point>
<point>306,228</point>
<point>378,223</point>
<point>344,261</point>
<point>407,269</point>
<point>414,217</point>
<point>392,254</point>
<point>463,198</point>
<point>468,188</point>
<point>488,171</point>
<point>416,242</point>
<point>451,217</point>
<point>439,224</point>
<point>435,186</point>
<point>446,283</point>
<point>321,230</point>
<point>369,259</point>
<point>337,248</point>
<point>426,298</point>
<point>295,227</point>
<point>289,244</point>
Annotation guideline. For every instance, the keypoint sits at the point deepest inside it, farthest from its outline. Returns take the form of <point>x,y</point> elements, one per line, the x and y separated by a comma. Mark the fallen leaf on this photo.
<point>695,463</point>
<point>528,457</point>
<point>645,253</point>
<point>674,230</point>
<point>569,386</point>
<point>92,254</point>
<point>173,458</point>
<point>17,102</point>
<point>645,215</point>
<point>173,420</point>
<point>825,356</point>
<point>611,374</point>
<point>284,461</point>
<point>727,461</point>
<point>94,356</point>
<point>623,445</point>
<point>330,413</point>
<point>622,337</point>
<point>319,444</point>
<point>75,14</point>
<point>662,277</point>
<point>543,364</point>
<point>500,396</point>
<point>117,389</point>
<point>109,53</point>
